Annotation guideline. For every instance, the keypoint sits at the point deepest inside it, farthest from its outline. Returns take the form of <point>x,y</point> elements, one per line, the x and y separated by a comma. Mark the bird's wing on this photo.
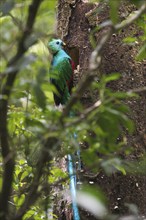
<point>62,73</point>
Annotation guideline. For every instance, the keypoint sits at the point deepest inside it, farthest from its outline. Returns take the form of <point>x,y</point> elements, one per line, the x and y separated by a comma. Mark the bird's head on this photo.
<point>55,45</point>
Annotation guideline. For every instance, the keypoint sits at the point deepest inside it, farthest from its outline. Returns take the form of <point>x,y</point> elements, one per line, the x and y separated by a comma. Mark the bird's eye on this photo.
<point>57,42</point>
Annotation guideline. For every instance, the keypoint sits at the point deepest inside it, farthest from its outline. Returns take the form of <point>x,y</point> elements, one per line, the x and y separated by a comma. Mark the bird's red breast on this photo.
<point>70,81</point>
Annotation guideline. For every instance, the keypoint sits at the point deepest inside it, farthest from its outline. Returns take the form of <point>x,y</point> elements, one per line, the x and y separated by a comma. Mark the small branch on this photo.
<point>96,105</point>
<point>16,21</point>
<point>86,81</point>
<point>127,22</point>
<point>85,114</point>
<point>138,90</point>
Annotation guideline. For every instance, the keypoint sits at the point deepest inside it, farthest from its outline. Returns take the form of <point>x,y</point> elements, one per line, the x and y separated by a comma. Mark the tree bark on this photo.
<point>76,20</point>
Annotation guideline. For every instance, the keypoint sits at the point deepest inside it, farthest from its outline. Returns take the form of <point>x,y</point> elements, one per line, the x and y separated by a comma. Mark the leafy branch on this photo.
<point>33,195</point>
<point>7,155</point>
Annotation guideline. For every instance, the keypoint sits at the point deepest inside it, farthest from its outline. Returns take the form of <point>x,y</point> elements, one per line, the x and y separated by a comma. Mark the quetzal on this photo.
<point>61,72</point>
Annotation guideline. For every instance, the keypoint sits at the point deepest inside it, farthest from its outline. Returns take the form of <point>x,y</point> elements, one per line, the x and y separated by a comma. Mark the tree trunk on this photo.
<point>76,19</point>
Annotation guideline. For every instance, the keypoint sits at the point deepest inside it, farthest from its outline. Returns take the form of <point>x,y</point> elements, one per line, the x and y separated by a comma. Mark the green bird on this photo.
<point>61,72</point>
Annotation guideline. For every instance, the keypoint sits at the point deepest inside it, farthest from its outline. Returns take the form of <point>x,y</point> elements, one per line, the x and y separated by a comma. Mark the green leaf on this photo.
<point>121,169</point>
<point>18,170</point>
<point>142,53</point>
<point>112,77</point>
<point>112,165</point>
<point>22,162</point>
<point>24,174</point>
<point>114,5</point>
<point>29,214</point>
<point>4,19</point>
<point>19,200</point>
<point>40,96</point>
<point>94,204</point>
<point>129,39</point>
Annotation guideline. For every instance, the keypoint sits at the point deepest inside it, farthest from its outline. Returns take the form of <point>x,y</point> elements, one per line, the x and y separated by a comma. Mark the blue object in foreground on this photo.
<point>72,176</point>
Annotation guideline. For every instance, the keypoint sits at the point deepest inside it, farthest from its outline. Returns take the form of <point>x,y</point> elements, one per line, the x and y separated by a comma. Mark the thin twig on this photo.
<point>96,105</point>
<point>84,115</point>
<point>133,17</point>
<point>138,90</point>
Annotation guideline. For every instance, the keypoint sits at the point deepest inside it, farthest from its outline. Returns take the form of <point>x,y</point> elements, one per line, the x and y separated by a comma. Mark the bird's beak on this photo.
<point>63,44</point>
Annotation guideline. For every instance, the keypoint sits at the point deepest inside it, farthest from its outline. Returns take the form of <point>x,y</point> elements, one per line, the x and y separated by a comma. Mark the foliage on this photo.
<point>33,121</point>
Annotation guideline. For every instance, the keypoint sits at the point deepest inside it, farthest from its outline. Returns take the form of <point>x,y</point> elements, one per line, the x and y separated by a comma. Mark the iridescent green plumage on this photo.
<point>61,71</point>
